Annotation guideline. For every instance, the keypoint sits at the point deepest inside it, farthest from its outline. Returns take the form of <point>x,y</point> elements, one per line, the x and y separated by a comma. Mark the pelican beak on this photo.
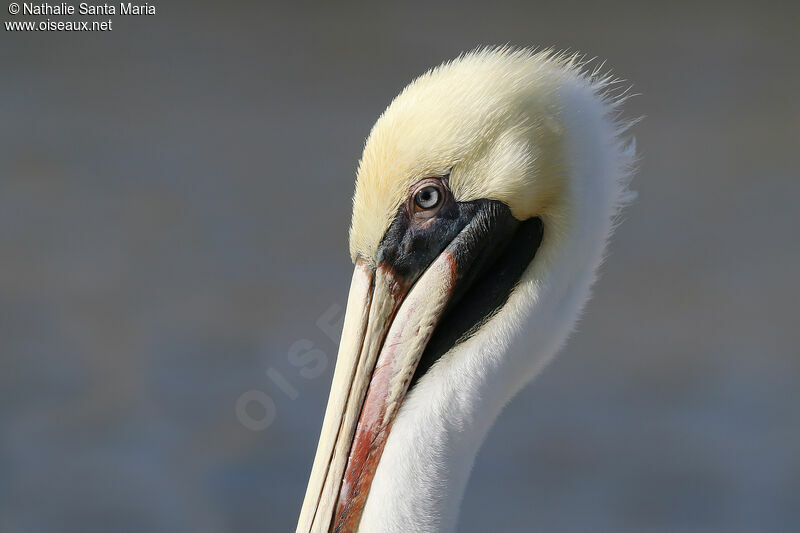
<point>381,344</point>
<point>392,312</point>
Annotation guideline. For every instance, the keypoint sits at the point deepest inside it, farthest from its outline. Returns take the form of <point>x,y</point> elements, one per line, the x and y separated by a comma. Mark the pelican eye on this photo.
<point>427,197</point>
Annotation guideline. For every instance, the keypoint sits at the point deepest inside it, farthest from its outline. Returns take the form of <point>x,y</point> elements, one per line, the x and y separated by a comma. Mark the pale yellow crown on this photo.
<point>491,119</point>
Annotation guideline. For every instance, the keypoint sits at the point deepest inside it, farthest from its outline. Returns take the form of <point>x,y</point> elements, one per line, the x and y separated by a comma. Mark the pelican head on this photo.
<point>484,199</point>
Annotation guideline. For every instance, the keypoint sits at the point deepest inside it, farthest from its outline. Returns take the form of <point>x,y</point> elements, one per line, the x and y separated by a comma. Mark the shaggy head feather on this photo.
<point>491,119</point>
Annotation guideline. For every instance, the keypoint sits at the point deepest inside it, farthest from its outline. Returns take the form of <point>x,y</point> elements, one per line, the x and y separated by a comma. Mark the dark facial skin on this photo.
<point>492,251</point>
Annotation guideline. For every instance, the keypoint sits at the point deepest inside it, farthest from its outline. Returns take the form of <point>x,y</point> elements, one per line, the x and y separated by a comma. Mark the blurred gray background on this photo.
<point>174,202</point>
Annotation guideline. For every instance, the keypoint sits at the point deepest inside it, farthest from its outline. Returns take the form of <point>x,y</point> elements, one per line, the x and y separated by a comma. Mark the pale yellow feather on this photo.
<point>490,118</point>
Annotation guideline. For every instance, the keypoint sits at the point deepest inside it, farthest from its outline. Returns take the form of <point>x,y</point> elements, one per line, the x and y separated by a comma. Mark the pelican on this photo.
<point>484,199</point>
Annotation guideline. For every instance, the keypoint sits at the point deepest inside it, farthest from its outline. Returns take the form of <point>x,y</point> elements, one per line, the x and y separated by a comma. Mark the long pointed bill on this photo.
<point>392,312</point>
<point>369,385</point>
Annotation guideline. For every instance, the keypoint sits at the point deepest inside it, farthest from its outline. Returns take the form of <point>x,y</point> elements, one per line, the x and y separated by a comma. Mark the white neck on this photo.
<point>420,480</point>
